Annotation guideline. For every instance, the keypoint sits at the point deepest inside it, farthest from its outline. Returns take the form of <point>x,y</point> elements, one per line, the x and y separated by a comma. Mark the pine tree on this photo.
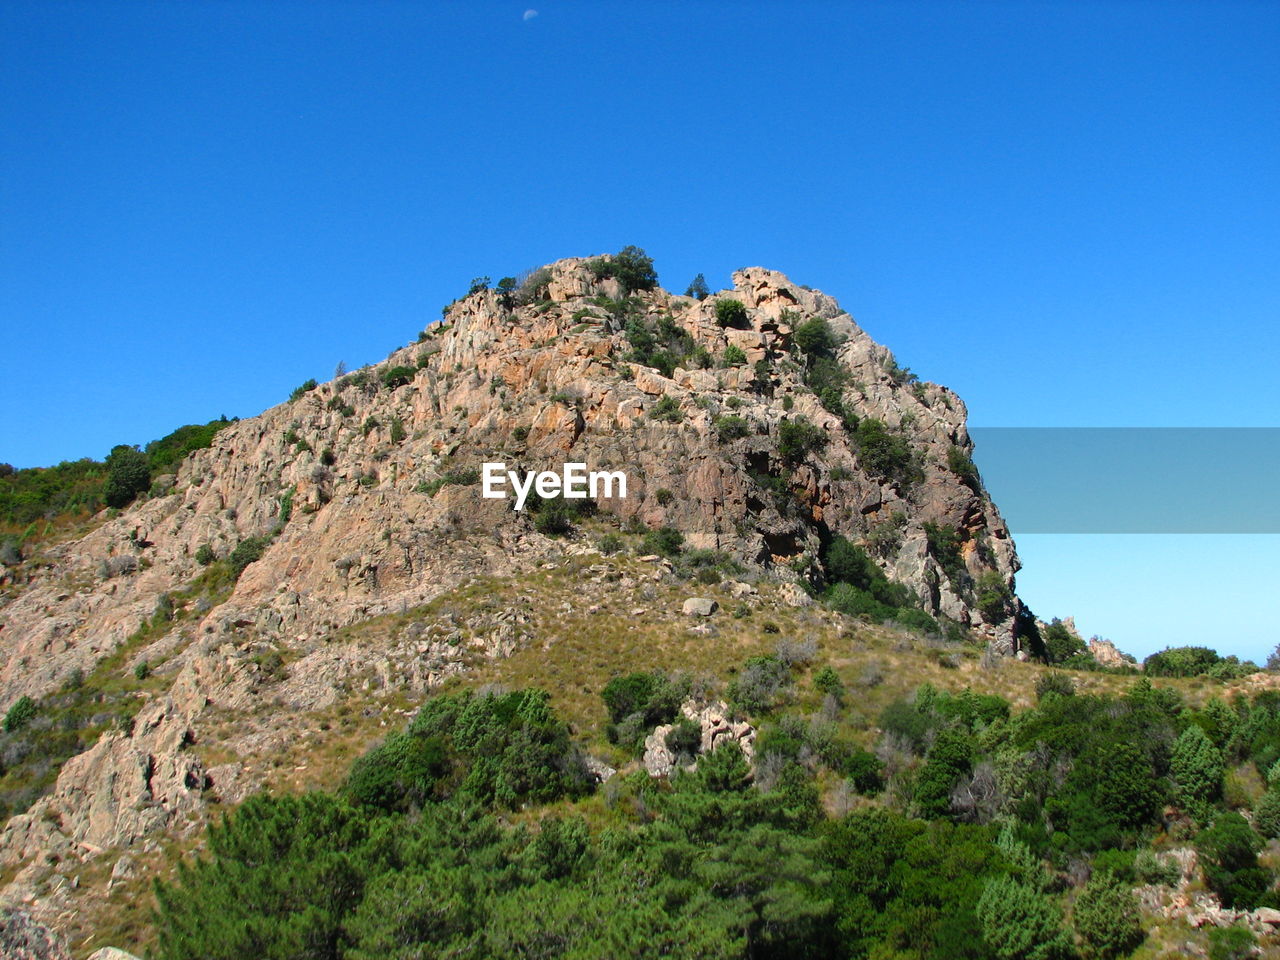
<point>1196,767</point>
<point>1021,923</point>
<point>698,289</point>
<point>1106,917</point>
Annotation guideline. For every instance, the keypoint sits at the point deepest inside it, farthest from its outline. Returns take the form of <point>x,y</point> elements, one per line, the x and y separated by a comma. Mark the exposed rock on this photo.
<point>111,953</point>
<point>599,770</point>
<point>794,595</point>
<point>716,728</point>
<point>122,788</point>
<point>1106,654</point>
<point>373,534</point>
<point>22,938</point>
<point>699,607</point>
<point>1267,915</point>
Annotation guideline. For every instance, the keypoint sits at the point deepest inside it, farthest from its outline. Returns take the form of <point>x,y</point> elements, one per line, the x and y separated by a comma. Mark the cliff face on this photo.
<point>354,469</point>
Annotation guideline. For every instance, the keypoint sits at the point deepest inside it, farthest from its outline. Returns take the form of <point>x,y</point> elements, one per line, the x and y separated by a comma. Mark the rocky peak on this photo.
<point>358,500</point>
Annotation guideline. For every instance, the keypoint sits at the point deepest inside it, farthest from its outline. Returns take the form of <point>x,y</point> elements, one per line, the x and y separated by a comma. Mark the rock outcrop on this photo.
<point>361,495</point>
<point>716,727</point>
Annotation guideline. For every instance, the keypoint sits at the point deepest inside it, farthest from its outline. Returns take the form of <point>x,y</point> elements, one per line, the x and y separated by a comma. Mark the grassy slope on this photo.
<point>575,651</point>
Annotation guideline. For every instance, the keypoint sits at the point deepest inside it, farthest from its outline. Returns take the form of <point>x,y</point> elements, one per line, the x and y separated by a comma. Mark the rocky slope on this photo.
<point>358,490</point>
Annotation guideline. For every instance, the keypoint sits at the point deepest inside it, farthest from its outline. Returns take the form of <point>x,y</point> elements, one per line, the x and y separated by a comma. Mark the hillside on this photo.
<point>292,593</point>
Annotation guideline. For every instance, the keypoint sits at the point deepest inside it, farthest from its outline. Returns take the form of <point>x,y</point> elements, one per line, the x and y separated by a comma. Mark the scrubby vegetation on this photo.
<point>80,487</point>
<point>986,833</point>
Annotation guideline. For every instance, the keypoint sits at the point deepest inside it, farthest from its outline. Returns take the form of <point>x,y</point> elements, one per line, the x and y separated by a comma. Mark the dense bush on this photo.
<point>20,714</point>
<point>731,313</point>
<point>729,861</point>
<point>798,438</point>
<point>667,409</point>
<point>632,268</point>
<point>398,376</point>
<point>1229,855</point>
<point>731,427</point>
<point>1107,919</point>
<point>128,474</point>
<point>666,541</point>
<point>247,551</point>
<point>1059,643</point>
<point>815,338</point>
<point>886,454</point>
<point>76,486</point>
<point>502,749</point>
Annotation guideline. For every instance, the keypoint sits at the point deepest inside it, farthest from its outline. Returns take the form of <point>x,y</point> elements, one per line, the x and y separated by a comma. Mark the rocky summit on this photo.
<point>314,557</point>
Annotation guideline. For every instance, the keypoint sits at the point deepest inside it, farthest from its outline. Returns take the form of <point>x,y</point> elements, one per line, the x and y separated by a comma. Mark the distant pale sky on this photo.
<point>1068,212</point>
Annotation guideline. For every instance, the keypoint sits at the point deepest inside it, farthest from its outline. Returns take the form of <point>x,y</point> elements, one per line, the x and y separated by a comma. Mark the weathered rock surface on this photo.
<point>699,607</point>
<point>716,728</point>
<point>22,938</point>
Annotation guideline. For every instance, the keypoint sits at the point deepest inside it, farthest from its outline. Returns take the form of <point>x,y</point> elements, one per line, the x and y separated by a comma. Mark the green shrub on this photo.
<point>205,555</point>
<point>247,551</point>
<point>1236,942</point>
<point>731,427</point>
<point>828,682</point>
<point>142,670</point>
<point>610,544</point>
<point>961,464</point>
<point>552,519</point>
<point>302,389</point>
<point>1229,856</point>
<point>20,714</point>
<point>397,430</point>
<point>455,476</point>
<point>1150,867</point>
<point>994,597</point>
<point>502,749</point>
<point>684,739</point>
<point>667,409</point>
<point>1196,766</point>
<point>664,497</point>
<point>1019,922</point>
<point>734,356</point>
<point>1180,662</point>
<point>798,438</point>
<point>398,376</point>
<point>1060,644</point>
<point>666,541</point>
<point>128,474</point>
<point>731,313</point>
<point>815,338</point>
<point>652,695</point>
<point>1266,813</point>
<point>1106,918</point>
<point>884,453</point>
<point>520,434</point>
<point>265,860</point>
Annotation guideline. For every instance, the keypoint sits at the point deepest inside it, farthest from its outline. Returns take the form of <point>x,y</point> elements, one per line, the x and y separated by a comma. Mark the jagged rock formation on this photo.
<point>353,489</point>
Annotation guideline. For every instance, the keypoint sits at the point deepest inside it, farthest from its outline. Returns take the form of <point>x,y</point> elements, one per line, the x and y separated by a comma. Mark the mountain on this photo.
<point>270,606</point>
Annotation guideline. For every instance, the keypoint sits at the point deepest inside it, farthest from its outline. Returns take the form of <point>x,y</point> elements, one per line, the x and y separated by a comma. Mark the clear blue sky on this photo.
<point>1068,212</point>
